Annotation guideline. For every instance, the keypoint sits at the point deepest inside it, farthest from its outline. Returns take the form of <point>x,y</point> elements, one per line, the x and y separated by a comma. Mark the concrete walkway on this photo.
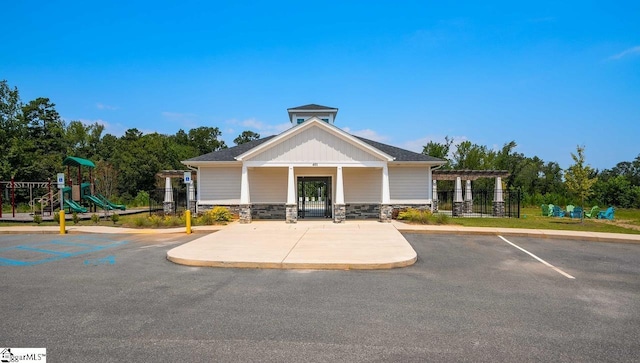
<point>305,245</point>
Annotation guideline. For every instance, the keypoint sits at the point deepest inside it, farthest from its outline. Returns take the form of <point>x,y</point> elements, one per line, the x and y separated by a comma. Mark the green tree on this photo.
<point>11,128</point>
<point>578,177</point>
<point>43,148</point>
<point>245,137</point>
<point>439,150</point>
<point>511,161</point>
<point>205,139</point>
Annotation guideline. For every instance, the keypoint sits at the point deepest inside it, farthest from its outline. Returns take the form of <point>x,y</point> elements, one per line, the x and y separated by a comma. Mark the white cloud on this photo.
<point>109,128</point>
<point>102,106</point>
<point>264,129</point>
<point>627,52</point>
<point>418,145</point>
<point>367,134</point>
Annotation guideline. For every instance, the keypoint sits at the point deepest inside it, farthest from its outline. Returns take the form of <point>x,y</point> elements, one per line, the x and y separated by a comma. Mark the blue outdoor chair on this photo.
<point>557,211</point>
<point>608,214</point>
<point>576,212</point>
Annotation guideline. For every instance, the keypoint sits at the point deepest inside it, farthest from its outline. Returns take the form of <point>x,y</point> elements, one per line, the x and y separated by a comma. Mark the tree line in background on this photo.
<point>34,140</point>
<point>545,182</point>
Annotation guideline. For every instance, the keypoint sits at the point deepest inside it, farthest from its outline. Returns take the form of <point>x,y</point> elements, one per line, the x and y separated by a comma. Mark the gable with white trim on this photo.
<point>315,144</point>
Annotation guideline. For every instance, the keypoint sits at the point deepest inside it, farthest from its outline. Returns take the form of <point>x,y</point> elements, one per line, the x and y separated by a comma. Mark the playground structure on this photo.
<point>8,193</point>
<point>78,196</point>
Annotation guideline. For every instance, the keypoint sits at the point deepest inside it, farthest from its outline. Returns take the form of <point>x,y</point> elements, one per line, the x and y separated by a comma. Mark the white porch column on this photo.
<point>245,199</point>
<point>339,186</point>
<point>244,186</point>
<point>168,191</point>
<point>434,196</point>
<point>386,209</point>
<point>192,192</point>
<point>291,187</point>
<point>458,191</point>
<point>457,200</point>
<point>497,192</point>
<point>498,200</point>
<point>430,187</point>
<point>434,190</point>
<point>339,209</point>
<point>468,198</point>
<point>168,196</point>
<point>386,195</point>
<point>292,205</point>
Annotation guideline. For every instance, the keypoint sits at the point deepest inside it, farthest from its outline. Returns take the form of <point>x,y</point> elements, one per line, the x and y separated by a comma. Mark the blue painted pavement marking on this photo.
<point>26,248</point>
<point>58,255</point>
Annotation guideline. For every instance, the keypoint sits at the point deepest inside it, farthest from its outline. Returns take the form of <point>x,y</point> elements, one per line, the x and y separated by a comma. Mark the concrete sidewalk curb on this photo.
<point>293,266</point>
<point>106,230</point>
<point>519,232</point>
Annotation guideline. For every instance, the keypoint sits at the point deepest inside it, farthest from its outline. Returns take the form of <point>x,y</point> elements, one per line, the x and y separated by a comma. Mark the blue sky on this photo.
<point>549,75</point>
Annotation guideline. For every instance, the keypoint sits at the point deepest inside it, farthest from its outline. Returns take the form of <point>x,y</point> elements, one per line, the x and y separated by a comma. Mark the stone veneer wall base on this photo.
<point>458,208</point>
<point>245,213</point>
<point>386,213</point>
<point>291,213</point>
<point>339,213</point>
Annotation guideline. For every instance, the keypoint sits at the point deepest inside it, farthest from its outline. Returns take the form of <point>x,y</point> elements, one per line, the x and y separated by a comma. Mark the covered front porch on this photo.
<point>336,192</point>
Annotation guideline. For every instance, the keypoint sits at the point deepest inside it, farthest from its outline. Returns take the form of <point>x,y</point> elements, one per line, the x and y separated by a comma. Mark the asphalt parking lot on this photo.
<point>116,298</point>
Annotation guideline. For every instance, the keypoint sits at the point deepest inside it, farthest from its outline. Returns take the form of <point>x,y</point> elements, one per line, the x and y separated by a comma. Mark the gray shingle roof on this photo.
<point>312,106</point>
<point>398,153</point>
<point>230,153</point>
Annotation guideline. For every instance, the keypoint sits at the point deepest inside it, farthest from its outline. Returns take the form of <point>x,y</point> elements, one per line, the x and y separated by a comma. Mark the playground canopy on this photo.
<point>76,161</point>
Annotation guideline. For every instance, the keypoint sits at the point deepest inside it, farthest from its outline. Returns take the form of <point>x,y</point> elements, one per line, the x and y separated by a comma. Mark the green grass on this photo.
<point>625,222</point>
<point>531,218</point>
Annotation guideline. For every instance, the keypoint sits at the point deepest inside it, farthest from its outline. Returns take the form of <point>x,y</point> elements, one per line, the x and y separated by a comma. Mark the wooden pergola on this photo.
<point>464,174</point>
<point>176,174</point>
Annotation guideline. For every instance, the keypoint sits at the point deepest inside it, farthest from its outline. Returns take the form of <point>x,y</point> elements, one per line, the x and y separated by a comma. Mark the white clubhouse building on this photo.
<point>314,170</point>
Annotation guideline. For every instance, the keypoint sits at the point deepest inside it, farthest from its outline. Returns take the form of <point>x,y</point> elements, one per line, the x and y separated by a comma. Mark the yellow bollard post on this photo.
<point>62,221</point>
<point>187,217</point>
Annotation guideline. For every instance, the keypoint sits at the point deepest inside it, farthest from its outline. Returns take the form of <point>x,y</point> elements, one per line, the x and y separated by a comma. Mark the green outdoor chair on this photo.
<point>550,210</point>
<point>569,208</point>
<point>545,210</point>
<point>593,213</point>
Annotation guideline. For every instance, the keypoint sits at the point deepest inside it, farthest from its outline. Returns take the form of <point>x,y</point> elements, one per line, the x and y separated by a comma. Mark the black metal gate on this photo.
<point>482,203</point>
<point>314,197</point>
<point>169,202</point>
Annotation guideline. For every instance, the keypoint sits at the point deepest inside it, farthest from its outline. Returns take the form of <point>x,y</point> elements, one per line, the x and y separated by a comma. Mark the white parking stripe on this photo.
<point>539,259</point>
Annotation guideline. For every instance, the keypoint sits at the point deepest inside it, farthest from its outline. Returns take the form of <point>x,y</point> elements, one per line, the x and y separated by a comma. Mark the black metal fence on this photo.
<point>482,203</point>
<point>170,202</point>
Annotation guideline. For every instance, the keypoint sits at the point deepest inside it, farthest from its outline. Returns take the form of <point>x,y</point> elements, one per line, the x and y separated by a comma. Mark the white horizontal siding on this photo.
<point>268,185</point>
<point>362,185</point>
<point>314,145</point>
<point>408,184</point>
<point>220,184</point>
